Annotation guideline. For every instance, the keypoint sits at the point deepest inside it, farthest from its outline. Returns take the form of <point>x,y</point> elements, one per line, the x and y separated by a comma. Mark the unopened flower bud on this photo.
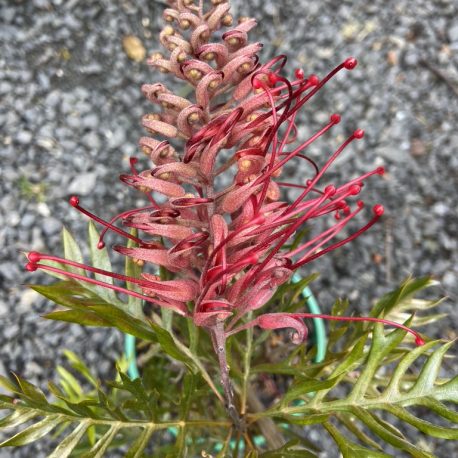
<point>214,84</point>
<point>168,30</point>
<point>245,165</point>
<point>209,56</point>
<point>181,57</point>
<point>185,24</point>
<point>193,118</point>
<point>146,150</point>
<point>234,41</point>
<point>194,74</point>
<point>227,20</point>
<point>244,68</point>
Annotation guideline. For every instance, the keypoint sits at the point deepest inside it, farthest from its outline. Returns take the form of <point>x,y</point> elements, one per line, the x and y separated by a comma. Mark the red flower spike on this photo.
<point>228,247</point>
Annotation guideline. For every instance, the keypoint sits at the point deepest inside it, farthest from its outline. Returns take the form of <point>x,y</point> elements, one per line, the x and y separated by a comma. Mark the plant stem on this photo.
<point>247,366</point>
<point>219,341</point>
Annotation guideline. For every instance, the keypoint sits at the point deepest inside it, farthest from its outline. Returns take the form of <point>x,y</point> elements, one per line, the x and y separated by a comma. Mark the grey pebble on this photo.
<point>83,184</point>
<point>51,226</point>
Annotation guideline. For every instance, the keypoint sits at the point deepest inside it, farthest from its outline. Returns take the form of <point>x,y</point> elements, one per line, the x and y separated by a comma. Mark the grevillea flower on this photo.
<point>227,245</point>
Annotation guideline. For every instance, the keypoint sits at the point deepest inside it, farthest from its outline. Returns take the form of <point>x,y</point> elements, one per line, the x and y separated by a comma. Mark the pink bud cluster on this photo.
<point>227,246</point>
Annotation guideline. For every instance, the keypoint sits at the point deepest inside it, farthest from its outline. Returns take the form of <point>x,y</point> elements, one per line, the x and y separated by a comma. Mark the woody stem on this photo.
<point>219,341</point>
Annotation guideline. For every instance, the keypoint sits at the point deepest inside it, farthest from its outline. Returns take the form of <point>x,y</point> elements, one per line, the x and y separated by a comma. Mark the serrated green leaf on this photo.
<point>33,432</point>
<point>65,448</point>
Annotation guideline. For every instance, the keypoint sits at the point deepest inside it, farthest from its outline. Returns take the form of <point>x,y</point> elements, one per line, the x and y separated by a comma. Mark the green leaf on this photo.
<point>72,252</point>
<point>101,260</point>
<point>65,448</point>
<point>33,432</point>
<point>31,391</point>
<point>134,304</point>
<point>79,366</point>
<point>82,317</point>
<point>289,450</point>
<point>167,343</point>
<point>17,418</point>
<point>101,446</point>
<point>301,388</point>
<point>349,449</point>
<point>399,296</point>
<point>137,448</point>
<point>373,386</point>
<point>124,322</point>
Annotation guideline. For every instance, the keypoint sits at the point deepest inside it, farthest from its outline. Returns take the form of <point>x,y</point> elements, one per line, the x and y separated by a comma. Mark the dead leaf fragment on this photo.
<point>134,48</point>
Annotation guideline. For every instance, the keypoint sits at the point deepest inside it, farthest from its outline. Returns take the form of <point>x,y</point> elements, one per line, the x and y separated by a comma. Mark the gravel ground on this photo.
<point>69,119</point>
